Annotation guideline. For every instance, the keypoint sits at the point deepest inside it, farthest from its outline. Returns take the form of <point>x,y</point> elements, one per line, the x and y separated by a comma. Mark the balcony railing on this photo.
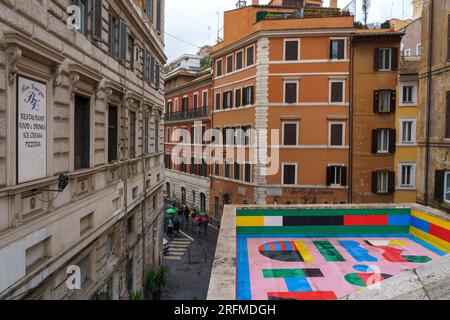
<point>188,114</point>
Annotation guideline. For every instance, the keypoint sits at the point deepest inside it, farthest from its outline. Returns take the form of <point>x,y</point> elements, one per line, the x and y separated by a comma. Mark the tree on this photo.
<point>365,9</point>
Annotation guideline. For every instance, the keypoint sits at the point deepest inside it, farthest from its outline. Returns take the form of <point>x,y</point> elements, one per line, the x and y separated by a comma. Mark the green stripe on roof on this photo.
<point>320,212</point>
<point>283,273</point>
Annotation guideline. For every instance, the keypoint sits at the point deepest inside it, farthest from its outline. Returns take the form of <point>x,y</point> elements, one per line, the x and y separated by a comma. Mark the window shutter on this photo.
<point>329,173</point>
<point>144,71</point>
<point>391,182</point>
<point>447,116</point>
<point>392,140</point>
<point>376,60</point>
<point>152,69</point>
<point>231,99</point>
<point>375,182</point>
<point>244,97</point>
<point>344,177</point>
<point>374,141</point>
<point>157,76</point>
<point>224,100</point>
<point>123,40</point>
<point>439,179</point>
<point>286,174</point>
<point>393,101</point>
<point>341,49</point>
<point>290,133</point>
<point>97,19</point>
<point>448,39</point>
<point>394,64</point>
<point>336,92</point>
<point>158,15</point>
<point>252,95</point>
<point>376,101</point>
<point>291,50</point>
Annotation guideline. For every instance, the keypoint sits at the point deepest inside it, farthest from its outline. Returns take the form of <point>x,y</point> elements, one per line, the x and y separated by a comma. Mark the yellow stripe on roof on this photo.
<point>428,218</point>
<point>249,221</point>
<point>435,241</point>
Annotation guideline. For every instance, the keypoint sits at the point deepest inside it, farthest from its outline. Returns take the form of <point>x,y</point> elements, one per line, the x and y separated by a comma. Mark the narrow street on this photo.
<point>189,274</point>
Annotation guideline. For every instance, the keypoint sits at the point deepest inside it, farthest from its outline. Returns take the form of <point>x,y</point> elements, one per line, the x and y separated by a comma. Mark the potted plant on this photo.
<point>155,281</point>
<point>136,295</point>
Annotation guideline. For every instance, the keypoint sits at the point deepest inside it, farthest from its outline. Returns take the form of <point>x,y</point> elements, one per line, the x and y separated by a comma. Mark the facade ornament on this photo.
<point>108,93</point>
<point>99,87</point>
<point>74,78</point>
<point>13,54</point>
<point>57,75</point>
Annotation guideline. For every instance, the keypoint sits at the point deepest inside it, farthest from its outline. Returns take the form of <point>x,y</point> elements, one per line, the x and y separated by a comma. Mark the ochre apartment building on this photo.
<point>278,71</point>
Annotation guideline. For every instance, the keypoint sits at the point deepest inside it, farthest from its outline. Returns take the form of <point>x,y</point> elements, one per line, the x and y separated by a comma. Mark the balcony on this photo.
<point>186,115</point>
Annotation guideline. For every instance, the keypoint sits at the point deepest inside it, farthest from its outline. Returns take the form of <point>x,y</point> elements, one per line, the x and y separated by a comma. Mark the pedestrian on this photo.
<point>186,214</point>
<point>176,227</point>
<point>205,225</point>
<point>198,223</point>
<point>170,229</point>
<point>193,216</point>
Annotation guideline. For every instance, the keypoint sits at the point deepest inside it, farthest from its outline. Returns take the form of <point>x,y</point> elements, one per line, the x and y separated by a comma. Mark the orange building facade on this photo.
<point>282,84</point>
<point>187,119</point>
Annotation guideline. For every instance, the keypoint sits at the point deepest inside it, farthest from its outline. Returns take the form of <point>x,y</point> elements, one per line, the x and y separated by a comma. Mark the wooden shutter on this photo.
<point>336,92</point>
<point>341,49</point>
<point>112,133</point>
<point>392,140</point>
<point>244,97</point>
<point>329,175</point>
<point>447,116</point>
<point>376,101</point>
<point>157,76</point>
<point>374,141</point>
<point>290,134</point>
<point>252,95</point>
<point>376,59</point>
<point>394,57</point>
<point>375,182</point>
<point>158,15</point>
<point>448,38</point>
<point>344,176</point>
<point>238,98</point>
<point>112,36</point>
<point>291,50</point>
<point>391,182</point>
<point>291,92</point>
<point>393,101</point>
<point>152,69</point>
<point>123,40</point>
<point>439,181</point>
<point>97,19</point>
<point>289,174</point>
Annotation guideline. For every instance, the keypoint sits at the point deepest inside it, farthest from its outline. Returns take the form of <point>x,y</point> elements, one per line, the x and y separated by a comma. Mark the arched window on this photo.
<point>168,189</point>
<point>183,195</point>
<point>202,202</point>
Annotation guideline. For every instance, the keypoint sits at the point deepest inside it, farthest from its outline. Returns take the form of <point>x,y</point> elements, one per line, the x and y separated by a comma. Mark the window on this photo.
<point>337,49</point>
<point>290,91</point>
<point>407,131</point>
<point>290,133</point>
<point>169,107</point>
<point>82,134</point>
<point>97,20</point>
<point>447,187</point>
<point>193,196</point>
<point>183,195</point>
<point>408,94</point>
<point>205,98</point>
<point>123,37</point>
<point>337,134</point>
<point>407,173</point>
<point>289,174</point>
<point>112,37</point>
<point>82,4</point>
<point>202,202</point>
<point>237,171</point>
<point>383,141</point>
<point>384,101</point>
<point>218,68</point>
<point>227,99</point>
<point>195,101</point>
<point>148,7</point>
<point>86,223</point>
<point>227,169</point>
<point>386,59</point>
<point>407,52</point>
<point>112,133</point>
<point>248,172</point>
<point>217,168</point>
<point>218,101</point>
<point>129,277</point>
<point>383,182</point>
<point>238,98</point>
<point>291,50</point>
<point>158,16</point>
<point>336,91</point>
<point>184,104</point>
<point>132,134</point>
<point>239,59</point>
<point>336,176</point>
<point>37,254</point>
<point>250,55</point>
<point>230,64</point>
<point>130,56</point>
<point>419,49</point>
<point>130,224</point>
<point>247,98</point>
<point>146,135</point>
<point>157,135</point>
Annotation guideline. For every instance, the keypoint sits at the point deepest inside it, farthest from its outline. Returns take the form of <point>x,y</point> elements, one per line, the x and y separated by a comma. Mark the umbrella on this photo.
<point>171,211</point>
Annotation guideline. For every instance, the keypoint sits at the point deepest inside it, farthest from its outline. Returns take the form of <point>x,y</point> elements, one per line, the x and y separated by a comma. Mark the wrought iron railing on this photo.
<point>188,114</point>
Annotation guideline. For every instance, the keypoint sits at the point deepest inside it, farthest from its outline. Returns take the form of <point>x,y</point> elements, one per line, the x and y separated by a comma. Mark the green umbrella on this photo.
<point>171,211</point>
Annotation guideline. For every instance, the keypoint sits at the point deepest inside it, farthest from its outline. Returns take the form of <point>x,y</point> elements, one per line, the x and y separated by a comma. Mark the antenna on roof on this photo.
<point>241,4</point>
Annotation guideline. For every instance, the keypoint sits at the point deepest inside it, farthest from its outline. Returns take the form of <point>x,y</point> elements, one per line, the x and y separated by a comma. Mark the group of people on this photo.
<point>182,217</point>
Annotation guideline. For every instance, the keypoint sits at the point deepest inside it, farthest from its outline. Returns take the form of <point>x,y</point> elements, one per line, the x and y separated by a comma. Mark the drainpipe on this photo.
<point>428,113</point>
<point>144,207</point>
<point>350,150</point>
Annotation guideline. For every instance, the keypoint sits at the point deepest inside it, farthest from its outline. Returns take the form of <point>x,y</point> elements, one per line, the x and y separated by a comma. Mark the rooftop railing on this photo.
<point>187,114</point>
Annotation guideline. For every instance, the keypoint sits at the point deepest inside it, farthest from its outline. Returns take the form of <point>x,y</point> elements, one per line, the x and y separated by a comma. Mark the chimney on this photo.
<point>333,3</point>
<point>255,2</point>
<point>417,8</point>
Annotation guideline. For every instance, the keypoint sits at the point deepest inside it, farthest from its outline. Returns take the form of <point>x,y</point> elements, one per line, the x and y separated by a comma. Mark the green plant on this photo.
<point>156,279</point>
<point>136,295</point>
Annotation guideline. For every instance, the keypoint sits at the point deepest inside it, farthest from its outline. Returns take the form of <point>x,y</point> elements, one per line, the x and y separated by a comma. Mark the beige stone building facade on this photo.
<point>81,94</point>
<point>433,164</point>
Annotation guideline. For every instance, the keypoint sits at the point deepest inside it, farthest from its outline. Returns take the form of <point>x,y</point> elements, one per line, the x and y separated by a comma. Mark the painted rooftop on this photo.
<point>321,252</point>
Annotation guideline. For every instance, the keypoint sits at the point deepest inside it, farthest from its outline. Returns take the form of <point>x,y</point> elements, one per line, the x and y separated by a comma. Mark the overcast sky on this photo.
<point>196,21</point>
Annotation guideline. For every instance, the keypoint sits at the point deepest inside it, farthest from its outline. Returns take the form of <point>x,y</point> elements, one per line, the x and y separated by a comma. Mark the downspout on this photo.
<point>428,113</point>
<point>144,207</point>
<point>350,150</point>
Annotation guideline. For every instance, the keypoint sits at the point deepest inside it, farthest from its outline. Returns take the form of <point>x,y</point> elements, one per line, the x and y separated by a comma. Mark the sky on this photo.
<point>193,23</point>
